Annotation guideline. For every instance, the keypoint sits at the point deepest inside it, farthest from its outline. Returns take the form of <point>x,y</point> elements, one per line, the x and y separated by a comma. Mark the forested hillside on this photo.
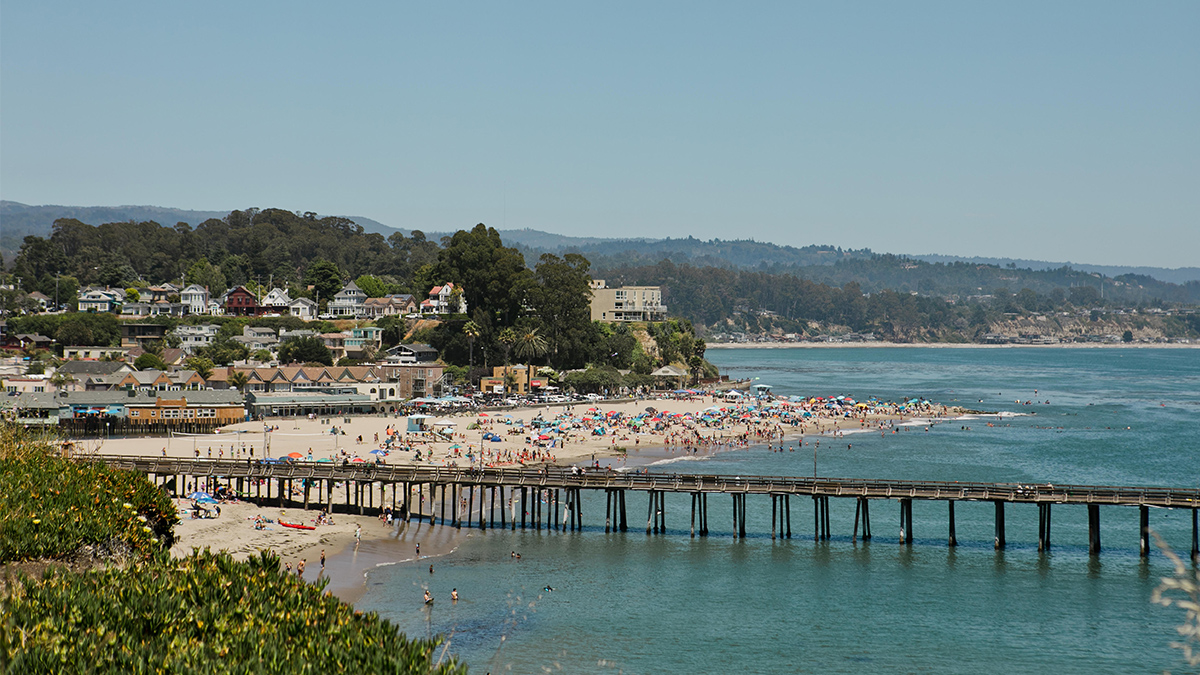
<point>896,297</point>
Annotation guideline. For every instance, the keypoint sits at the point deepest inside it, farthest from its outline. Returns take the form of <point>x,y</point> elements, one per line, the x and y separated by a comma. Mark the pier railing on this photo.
<point>599,479</point>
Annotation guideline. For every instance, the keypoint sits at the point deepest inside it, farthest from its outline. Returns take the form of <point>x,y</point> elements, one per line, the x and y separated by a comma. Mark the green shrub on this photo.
<point>51,507</point>
<point>206,613</point>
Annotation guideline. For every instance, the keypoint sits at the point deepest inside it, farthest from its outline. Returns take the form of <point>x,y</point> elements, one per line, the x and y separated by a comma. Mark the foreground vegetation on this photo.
<point>130,607</point>
<point>206,613</point>
<point>51,507</point>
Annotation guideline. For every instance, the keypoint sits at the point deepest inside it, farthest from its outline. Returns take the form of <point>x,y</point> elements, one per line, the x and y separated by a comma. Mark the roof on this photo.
<point>30,401</point>
<point>92,367</point>
<point>114,397</point>
<point>669,371</point>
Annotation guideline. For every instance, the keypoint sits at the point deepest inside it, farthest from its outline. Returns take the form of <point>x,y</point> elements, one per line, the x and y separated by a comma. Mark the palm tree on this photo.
<point>507,337</point>
<point>531,345</point>
<point>61,380</point>
<point>471,330</point>
<point>238,380</point>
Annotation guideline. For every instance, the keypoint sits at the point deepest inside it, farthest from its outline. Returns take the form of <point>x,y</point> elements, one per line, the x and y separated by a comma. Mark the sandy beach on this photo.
<point>694,425</point>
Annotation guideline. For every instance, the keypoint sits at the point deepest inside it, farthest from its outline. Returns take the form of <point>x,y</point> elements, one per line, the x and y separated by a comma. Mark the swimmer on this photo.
<point>431,569</point>
<point>548,589</point>
<point>454,595</point>
<point>428,598</point>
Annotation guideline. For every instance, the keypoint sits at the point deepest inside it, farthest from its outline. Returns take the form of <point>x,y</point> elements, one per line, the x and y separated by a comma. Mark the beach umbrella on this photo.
<point>206,500</point>
<point>295,455</point>
<point>483,414</point>
<point>199,495</point>
<point>456,446</point>
<point>543,437</point>
<point>357,459</point>
<point>378,452</point>
<point>324,459</point>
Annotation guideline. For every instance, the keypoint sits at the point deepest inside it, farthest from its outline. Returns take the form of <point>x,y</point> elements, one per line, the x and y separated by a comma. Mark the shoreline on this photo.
<point>944,345</point>
<point>685,431</point>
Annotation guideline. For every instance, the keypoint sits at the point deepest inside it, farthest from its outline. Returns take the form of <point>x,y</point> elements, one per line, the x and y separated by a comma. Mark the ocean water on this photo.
<point>669,603</point>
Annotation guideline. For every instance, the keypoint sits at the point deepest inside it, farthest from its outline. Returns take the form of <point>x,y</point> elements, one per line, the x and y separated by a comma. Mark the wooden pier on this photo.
<point>552,497</point>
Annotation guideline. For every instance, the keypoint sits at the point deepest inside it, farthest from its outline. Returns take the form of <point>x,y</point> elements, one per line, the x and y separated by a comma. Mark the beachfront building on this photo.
<point>349,301</point>
<point>627,303</point>
<point>134,411</point>
<point>332,402</point>
<point>386,382</point>
<point>521,382</point>
<point>405,381</point>
<point>158,380</point>
<point>31,408</point>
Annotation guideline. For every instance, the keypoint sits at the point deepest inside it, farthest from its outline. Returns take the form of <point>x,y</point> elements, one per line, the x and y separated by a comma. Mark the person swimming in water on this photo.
<point>454,595</point>
<point>428,598</point>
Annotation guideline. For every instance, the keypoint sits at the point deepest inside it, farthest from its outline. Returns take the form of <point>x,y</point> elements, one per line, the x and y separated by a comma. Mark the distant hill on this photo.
<point>1178,275</point>
<point>18,220</point>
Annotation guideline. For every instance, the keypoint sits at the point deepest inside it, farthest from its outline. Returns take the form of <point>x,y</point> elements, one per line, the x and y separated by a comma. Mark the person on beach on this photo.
<point>357,534</point>
<point>322,559</point>
<point>300,569</point>
<point>418,548</point>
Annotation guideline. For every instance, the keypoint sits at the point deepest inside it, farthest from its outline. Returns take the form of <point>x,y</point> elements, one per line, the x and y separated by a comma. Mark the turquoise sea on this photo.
<point>634,603</point>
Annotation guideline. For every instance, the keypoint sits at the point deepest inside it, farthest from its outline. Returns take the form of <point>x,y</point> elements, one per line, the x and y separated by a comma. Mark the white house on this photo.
<point>192,338</point>
<point>348,301</point>
<point>195,297</point>
<point>277,301</point>
<point>445,300</point>
<point>303,307</point>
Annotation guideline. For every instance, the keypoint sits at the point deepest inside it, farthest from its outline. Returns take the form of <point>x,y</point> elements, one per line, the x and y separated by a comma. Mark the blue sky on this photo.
<point>1055,131</point>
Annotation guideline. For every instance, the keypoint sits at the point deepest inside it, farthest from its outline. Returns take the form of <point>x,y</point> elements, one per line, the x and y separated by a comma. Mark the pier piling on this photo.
<point>1000,543</point>
<point>952,539</point>
<point>1144,530</point>
<point>1093,529</point>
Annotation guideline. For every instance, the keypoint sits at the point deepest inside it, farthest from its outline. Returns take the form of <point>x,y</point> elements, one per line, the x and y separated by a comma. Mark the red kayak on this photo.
<point>298,526</point>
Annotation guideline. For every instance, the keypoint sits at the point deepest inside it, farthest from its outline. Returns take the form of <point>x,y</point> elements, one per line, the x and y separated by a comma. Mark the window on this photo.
<point>135,413</point>
<point>170,413</point>
<point>38,390</point>
<point>203,413</point>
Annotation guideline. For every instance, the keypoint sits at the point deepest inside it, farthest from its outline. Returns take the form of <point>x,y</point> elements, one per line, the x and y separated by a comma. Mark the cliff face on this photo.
<point>1143,327</point>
